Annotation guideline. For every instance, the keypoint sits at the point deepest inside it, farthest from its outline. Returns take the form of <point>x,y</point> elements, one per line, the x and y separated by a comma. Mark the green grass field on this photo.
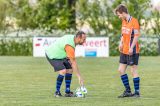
<point>28,81</point>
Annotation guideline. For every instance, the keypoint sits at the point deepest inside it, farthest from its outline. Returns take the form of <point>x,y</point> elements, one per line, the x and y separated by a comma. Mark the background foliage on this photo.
<point>67,16</point>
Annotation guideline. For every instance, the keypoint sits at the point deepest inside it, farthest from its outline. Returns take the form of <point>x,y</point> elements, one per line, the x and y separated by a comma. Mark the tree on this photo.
<point>97,14</point>
<point>4,13</point>
<point>25,15</point>
<point>101,18</point>
<point>155,14</point>
<point>72,17</point>
<point>46,14</point>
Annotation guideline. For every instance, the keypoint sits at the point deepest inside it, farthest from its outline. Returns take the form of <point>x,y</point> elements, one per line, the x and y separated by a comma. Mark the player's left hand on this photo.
<point>130,51</point>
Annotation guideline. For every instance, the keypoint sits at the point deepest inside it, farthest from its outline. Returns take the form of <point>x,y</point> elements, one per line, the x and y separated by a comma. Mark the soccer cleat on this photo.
<point>126,94</point>
<point>136,95</point>
<point>69,94</point>
<point>57,94</point>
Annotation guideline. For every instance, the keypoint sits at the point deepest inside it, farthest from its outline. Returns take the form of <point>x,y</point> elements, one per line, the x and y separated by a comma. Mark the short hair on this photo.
<point>79,34</point>
<point>121,8</point>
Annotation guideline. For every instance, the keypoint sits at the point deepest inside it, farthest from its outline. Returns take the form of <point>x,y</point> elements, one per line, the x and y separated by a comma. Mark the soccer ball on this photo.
<point>81,92</point>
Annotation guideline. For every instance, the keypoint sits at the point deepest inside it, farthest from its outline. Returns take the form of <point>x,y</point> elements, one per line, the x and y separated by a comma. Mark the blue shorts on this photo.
<point>129,60</point>
<point>59,64</point>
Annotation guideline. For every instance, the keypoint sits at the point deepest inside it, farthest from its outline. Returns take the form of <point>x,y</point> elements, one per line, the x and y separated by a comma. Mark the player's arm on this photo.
<point>135,40</point>
<point>136,31</point>
<point>121,40</point>
<point>71,55</point>
<point>121,43</point>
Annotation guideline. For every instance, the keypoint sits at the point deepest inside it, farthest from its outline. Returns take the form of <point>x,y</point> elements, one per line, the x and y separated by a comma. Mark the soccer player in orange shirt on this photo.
<point>129,50</point>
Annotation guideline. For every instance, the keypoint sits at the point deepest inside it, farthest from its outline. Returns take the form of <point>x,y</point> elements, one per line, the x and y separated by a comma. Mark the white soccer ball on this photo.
<point>81,92</point>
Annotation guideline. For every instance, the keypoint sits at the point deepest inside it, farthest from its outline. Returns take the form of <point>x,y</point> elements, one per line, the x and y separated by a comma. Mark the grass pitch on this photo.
<point>28,81</point>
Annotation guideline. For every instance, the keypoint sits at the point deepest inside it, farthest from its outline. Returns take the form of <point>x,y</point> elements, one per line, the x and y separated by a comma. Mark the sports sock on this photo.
<point>59,82</point>
<point>68,78</point>
<point>136,84</point>
<point>125,81</point>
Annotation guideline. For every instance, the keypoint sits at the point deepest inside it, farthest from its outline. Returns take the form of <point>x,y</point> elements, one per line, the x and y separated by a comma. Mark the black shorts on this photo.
<point>59,64</point>
<point>129,60</point>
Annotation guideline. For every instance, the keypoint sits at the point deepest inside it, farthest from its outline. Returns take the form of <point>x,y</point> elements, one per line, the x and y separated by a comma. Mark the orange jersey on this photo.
<point>130,28</point>
<point>70,51</point>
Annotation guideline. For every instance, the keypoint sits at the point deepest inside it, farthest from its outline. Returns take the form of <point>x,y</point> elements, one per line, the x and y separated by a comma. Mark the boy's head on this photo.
<point>121,11</point>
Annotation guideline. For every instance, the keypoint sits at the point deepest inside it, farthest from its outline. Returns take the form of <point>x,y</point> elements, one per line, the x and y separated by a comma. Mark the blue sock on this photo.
<point>68,78</point>
<point>59,82</point>
<point>136,84</point>
<point>125,81</point>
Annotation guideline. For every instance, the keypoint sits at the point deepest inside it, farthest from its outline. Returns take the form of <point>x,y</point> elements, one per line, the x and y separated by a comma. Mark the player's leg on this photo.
<point>59,81</point>
<point>124,76</point>
<point>68,78</point>
<point>136,78</point>
<point>59,67</point>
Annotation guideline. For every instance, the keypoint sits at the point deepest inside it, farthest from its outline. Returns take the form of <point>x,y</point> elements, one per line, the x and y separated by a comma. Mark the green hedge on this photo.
<point>23,47</point>
<point>113,46</point>
<point>16,47</point>
<point>148,46</point>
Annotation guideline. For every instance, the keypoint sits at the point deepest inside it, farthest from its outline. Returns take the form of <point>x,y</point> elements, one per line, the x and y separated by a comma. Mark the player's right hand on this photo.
<point>81,81</point>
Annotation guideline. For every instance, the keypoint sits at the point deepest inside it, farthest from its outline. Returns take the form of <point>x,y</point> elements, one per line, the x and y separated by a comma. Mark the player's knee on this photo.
<point>69,71</point>
<point>134,68</point>
<point>121,71</point>
<point>134,74</point>
<point>62,72</point>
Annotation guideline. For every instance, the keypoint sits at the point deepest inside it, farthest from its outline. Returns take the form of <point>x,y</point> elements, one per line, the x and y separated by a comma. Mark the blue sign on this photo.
<point>90,53</point>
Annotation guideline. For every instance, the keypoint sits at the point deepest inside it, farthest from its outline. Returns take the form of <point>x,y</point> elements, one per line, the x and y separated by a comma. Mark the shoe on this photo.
<point>57,94</point>
<point>69,94</point>
<point>126,94</point>
<point>136,95</point>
